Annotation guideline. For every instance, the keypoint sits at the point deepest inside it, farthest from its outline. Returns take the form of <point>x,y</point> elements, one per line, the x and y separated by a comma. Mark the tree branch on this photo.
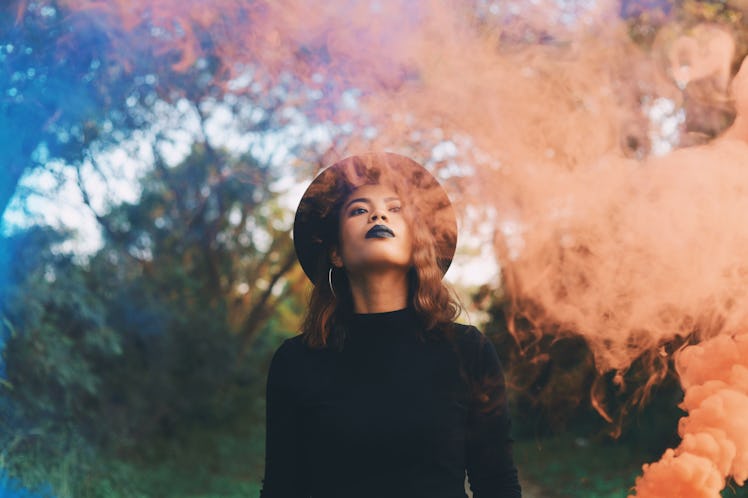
<point>259,312</point>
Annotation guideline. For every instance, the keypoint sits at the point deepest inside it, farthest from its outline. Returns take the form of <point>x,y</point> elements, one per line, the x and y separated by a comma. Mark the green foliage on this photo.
<point>153,343</point>
<point>57,338</point>
<point>198,460</point>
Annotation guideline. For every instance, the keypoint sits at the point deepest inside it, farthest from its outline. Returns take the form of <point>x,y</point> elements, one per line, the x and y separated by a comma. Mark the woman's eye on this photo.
<point>395,209</point>
<point>356,211</point>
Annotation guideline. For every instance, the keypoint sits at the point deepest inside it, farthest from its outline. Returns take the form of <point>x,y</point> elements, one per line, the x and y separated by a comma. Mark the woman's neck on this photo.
<point>379,292</point>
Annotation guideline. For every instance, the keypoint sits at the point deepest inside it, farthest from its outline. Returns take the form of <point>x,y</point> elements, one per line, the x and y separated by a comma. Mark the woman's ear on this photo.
<point>335,258</point>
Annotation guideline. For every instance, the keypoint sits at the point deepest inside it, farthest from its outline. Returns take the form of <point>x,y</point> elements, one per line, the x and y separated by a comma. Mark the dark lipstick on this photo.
<point>380,232</point>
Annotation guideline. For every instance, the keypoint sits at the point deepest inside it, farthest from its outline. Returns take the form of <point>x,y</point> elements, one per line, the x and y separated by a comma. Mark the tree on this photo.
<point>212,232</point>
<point>62,90</point>
<point>152,333</point>
<point>58,338</point>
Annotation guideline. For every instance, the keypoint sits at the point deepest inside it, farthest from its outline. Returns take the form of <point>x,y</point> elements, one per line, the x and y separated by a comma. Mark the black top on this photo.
<point>391,415</point>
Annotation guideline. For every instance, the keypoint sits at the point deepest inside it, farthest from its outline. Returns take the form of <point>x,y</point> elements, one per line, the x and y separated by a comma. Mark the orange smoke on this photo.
<point>714,375</point>
<point>550,127</point>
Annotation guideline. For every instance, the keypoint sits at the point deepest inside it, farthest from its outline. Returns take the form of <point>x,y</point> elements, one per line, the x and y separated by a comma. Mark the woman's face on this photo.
<point>374,234</point>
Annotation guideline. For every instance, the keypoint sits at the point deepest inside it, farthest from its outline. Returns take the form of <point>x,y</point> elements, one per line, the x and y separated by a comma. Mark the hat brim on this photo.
<point>315,223</point>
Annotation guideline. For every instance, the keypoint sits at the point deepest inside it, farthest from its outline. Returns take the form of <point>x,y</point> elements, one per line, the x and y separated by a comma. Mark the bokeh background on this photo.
<point>152,153</point>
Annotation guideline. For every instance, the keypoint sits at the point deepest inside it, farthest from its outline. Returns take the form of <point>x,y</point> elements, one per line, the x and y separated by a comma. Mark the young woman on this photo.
<point>382,395</point>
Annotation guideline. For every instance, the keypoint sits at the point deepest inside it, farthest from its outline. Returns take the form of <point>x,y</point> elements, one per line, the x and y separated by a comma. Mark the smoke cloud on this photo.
<point>550,114</point>
<point>714,375</point>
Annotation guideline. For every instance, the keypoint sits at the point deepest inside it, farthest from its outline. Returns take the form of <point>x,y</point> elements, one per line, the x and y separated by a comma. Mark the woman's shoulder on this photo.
<point>474,347</point>
<point>286,361</point>
<point>295,348</point>
<point>290,347</point>
<point>467,331</point>
<point>468,336</point>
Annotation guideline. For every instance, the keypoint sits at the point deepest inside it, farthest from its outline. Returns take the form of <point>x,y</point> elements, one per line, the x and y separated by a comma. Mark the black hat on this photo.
<point>316,222</point>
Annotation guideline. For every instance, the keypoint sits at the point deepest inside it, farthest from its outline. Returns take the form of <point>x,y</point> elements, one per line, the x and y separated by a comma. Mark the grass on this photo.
<point>228,461</point>
<point>229,464</point>
<point>565,466</point>
<point>224,462</point>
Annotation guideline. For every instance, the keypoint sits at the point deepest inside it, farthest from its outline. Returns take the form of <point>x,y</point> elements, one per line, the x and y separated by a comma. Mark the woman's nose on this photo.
<point>376,215</point>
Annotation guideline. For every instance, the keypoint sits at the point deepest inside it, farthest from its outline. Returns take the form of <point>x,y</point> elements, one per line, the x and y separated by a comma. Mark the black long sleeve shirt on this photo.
<point>390,415</point>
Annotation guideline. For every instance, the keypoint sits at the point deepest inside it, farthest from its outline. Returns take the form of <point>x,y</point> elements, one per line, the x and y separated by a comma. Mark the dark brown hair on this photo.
<point>325,321</point>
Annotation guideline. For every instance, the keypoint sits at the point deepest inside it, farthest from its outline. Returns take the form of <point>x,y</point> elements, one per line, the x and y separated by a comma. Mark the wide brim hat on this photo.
<point>315,227</point>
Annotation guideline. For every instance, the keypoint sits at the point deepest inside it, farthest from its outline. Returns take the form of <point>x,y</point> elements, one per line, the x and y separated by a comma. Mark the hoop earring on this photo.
<point>329,281</point>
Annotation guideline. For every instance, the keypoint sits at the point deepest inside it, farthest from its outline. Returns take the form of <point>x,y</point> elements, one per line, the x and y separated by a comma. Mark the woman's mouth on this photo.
<point>380,232</point>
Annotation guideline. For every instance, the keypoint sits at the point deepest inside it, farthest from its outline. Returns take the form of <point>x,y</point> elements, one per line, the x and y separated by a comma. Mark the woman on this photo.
<point>382,394</point>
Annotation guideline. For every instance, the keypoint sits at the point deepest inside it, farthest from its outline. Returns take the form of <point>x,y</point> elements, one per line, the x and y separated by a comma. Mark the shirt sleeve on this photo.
<point>283,476</point>
<point>490,465</point>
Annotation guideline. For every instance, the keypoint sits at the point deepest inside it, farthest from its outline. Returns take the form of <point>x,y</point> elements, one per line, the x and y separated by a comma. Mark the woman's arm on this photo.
<point>283,473</point>
<point>490,465</point>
